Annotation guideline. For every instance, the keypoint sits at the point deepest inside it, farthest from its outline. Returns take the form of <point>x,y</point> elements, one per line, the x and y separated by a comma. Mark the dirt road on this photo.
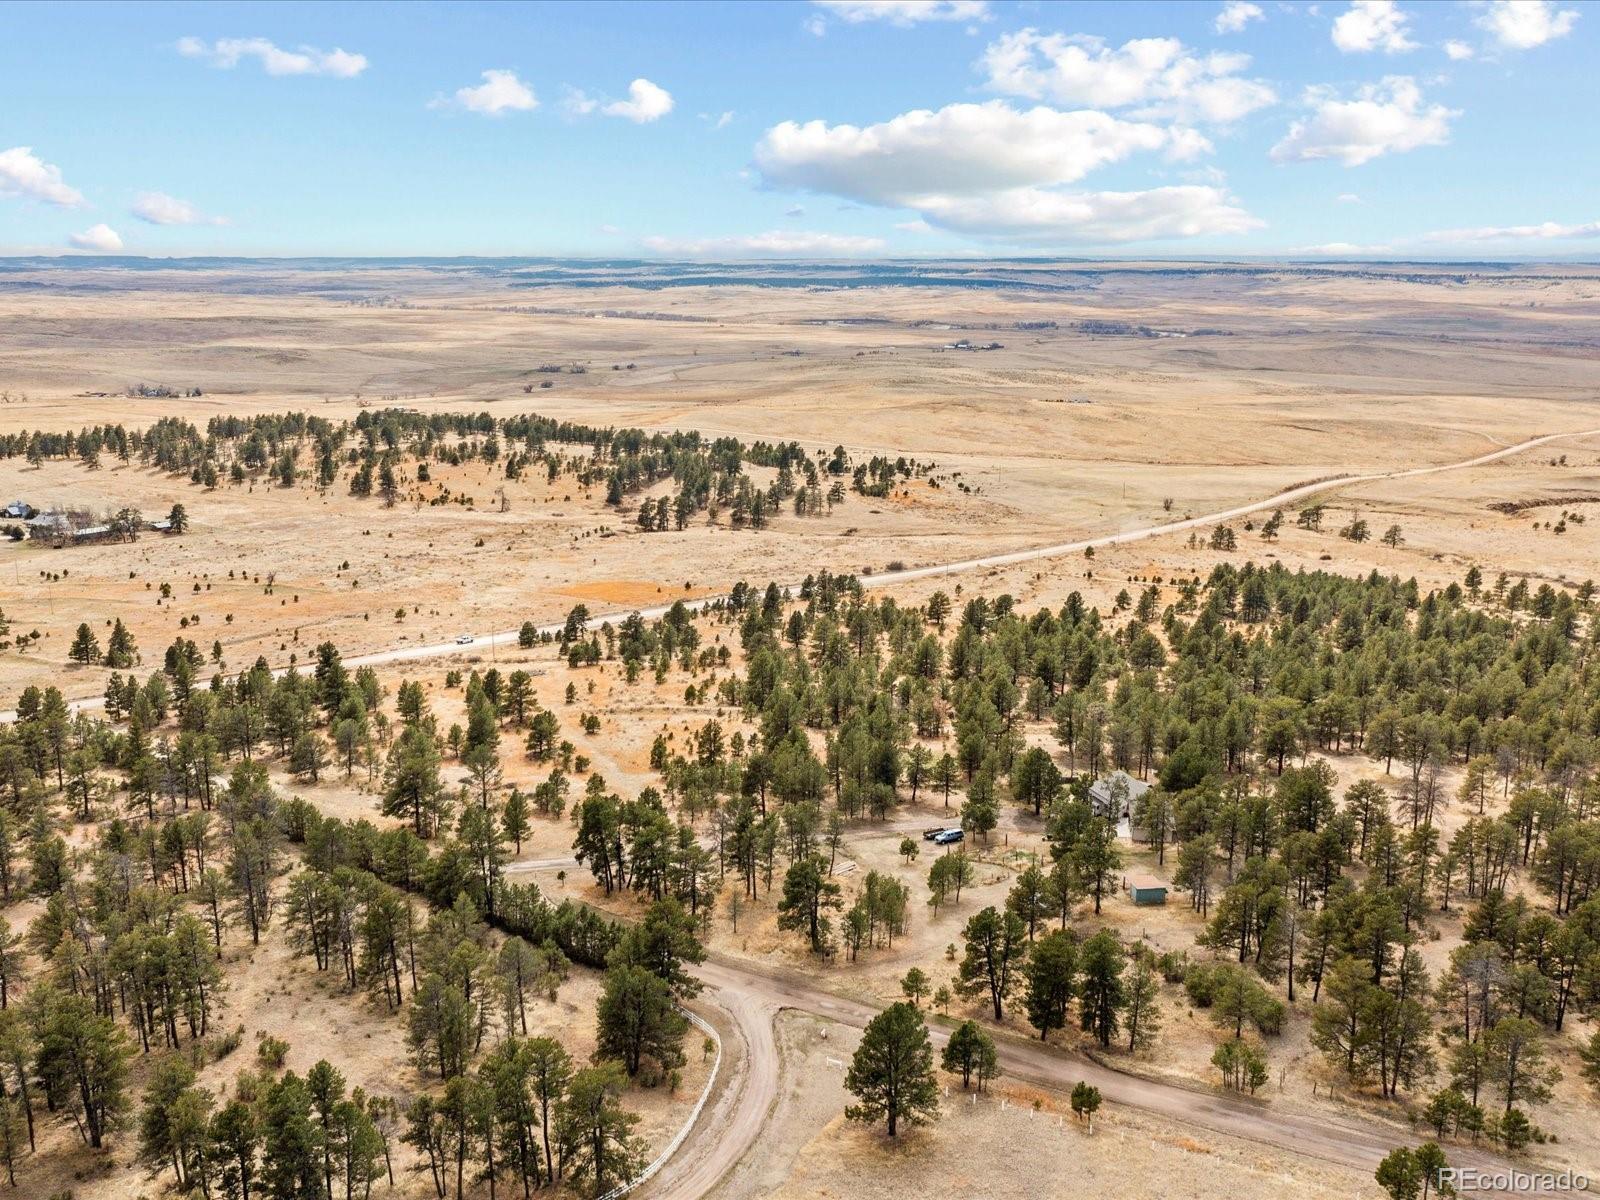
<point>1347,1142</point>
<point>743,998</point>
<point>1055,550</point>
<point>1304,492</point>
<point>731,1123</point>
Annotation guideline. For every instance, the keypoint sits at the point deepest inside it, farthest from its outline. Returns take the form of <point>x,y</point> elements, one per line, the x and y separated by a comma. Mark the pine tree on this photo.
<point>596,1132</point>
<point>637,1019</point>
<point>808,895</point>
<point>514,821</point>
<point>1085,1102</point>
<point>235,1145</point>
<point>971,1052</point>
<point>1101,989</point>
<point>83,1058</point>
<point>1143,1014</point>
<point>996,945</point>
<point>85,646</point>
<point>292,1145</point>
<point>121,653</point>
<point>891,1074</point>
<point>1097,859</point>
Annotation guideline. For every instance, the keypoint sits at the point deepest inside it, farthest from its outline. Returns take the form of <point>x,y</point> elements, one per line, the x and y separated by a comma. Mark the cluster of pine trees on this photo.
<point>385,451</point>
<point>1221,699</point>
<point>188,847</point>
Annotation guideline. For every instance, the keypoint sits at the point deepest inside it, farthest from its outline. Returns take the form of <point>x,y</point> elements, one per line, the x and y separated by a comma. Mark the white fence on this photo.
<point>644,1176</point>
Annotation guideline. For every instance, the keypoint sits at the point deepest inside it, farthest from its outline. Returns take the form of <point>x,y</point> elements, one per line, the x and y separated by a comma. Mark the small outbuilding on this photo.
<point>1146,889</point>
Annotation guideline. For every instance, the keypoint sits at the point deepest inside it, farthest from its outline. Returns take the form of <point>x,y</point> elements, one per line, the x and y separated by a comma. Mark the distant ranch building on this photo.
<point>77,526</point>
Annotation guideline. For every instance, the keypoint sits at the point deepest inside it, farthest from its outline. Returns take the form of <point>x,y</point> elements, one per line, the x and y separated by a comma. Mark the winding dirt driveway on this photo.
<point>753,996</point>
<point>730,1125</point>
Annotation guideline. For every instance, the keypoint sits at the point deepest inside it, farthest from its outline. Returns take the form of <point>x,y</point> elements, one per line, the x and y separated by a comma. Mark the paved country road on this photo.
<point>509,637</point>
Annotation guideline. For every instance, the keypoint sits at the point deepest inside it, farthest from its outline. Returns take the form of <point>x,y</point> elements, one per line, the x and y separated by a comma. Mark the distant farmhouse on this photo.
<point>60,527</point>
<point>67,526</point>
<point>17,515</point>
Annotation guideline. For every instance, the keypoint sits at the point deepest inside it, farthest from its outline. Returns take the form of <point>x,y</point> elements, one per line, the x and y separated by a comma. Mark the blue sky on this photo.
<point>843,129</point>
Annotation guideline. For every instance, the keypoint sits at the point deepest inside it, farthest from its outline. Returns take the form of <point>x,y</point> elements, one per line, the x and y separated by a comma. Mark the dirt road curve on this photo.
<point>729,1126</point>
<point>752,992</point>
<point>742,1000</point>
<point>492,641</point>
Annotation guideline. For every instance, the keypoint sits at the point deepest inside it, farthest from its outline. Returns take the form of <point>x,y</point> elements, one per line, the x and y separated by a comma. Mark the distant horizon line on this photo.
<point>67,258</point>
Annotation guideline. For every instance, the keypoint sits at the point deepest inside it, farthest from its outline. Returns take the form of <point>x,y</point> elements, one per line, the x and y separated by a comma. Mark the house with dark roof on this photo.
<point>1112,796</point>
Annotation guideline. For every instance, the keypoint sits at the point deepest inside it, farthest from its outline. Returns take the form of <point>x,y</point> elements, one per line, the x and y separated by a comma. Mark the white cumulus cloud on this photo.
<point>775,244</point>
<point>24,173</point>
<point>1524,24</point>
<point>97,237</point>
<point>1159,77</point>
<point>646,102</point>
<point>500,92</point>
<point>1372,25</point>
<point>993,171</point>
<point>1235,15</point>
<point>1389,117</point>
<point>274,60</point>
<point>158,208</point>
<point>962,149</point>
<point>1549,230</point>
<point>1050,217</point>
<point>1458,51</point>
<point>905,12</point>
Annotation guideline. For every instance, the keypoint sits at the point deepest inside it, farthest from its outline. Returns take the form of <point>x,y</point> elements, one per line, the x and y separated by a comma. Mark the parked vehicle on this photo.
<point>949,836</point>
<point>929,834</point>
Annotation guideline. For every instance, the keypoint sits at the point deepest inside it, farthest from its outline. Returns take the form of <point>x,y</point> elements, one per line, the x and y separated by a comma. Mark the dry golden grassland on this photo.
<point>1309,377</point>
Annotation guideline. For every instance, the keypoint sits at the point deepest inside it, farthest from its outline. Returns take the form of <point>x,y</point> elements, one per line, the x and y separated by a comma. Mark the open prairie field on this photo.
<point>1315,563</point>
<point>1120,396</point>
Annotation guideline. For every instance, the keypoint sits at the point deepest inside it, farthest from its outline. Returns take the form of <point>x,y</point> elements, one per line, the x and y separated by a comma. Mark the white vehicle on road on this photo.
<point>464,640</point>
